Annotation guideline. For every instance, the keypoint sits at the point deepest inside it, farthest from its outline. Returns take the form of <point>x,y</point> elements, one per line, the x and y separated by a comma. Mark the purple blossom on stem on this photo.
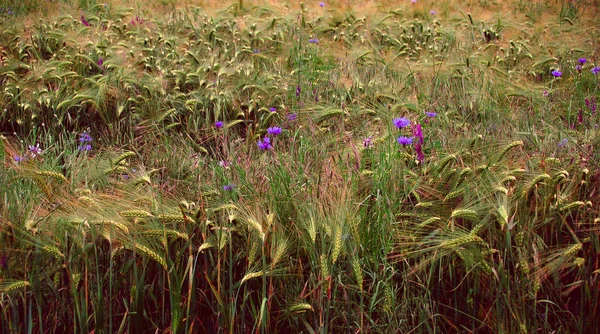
<point>557,73</point>
<point>582,60</point>
<point>313,41</point>
<point>292,117</point>
<point>591,104</point>
<point>418,133</point>
<point>368,142</point>
<point>580,116</point>
<point>35,150</point>
<point>228,187</point>
<point>563,142</point>
<point>100,61</point>
<point>298,90</point>
<point>578,68</point>
<point>596,70</point>
<point>272,109</point>
<point>430,114</point>
<point>18,159</point>
<point>274,130</point>
<point>84,21</point>
<point>219,124</point>
<point>85,141</point>
<point>322,4</point>
<point>402,140</point>
<point>264,144</point>
<point>401,122</point>
<point>432,12</point>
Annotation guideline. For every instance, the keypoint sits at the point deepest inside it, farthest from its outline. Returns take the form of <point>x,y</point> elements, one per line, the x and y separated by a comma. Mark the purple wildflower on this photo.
<point>401,122</point>
<point>298,90</point>
<point>256,51</point>
<point>580,116</point>
<point>35,150</point>
<point>84,21</point>
<point>224,163</point>
<point>430,114</point>
<point>264,144</point>
<point>405,140</point>
<point>274,130</point>
<point>557,73</point>
<point>219,124</point>
<point>418,133</point>
<point>545,93</point>
<point>591,104</point>
<point>272,109</point>
<point>292,117</point>
<point>85,137</point>
<point>228,187</point>
<point>582,60</point>
<point>100,62</point>
<point>19,159</point>
<point>368,142</point>
<point>313,40</point>
<point>322,4</point>
<point>563,142</point>
<point>596,70</point>
<point>432,12</point>
<point>85,141</point>
<point>578,68</point>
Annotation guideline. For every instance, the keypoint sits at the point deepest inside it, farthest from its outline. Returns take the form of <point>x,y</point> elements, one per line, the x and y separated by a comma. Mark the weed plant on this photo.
<point>427,167</point>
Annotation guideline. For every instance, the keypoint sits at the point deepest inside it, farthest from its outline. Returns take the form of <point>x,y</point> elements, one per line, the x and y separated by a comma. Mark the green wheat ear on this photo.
<point>10,286</point>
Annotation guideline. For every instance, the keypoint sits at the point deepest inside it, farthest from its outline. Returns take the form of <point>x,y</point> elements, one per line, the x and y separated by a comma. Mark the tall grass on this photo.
<point>136,193</point>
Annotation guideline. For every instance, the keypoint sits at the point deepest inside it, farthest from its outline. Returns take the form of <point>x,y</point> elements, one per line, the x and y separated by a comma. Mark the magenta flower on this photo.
<point>84,21</point>
<point>582,60</point>
<point>219,124</point>
<point>368,142</point>
<point>418,133</point>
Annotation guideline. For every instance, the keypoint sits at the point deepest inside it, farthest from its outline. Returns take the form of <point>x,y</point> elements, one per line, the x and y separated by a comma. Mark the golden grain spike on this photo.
<point>152,254</point>
<point>250,276</point>
<point>51,174</point>
<point>135,214</point>
<point>124,156</point>
<point>14,286</point>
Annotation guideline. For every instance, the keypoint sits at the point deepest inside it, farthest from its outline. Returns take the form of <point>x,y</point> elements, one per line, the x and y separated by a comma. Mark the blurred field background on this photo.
<point>316,167</point>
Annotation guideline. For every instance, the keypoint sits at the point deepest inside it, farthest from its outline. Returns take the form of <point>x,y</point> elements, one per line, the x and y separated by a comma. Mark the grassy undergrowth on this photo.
<point>336,167</point>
